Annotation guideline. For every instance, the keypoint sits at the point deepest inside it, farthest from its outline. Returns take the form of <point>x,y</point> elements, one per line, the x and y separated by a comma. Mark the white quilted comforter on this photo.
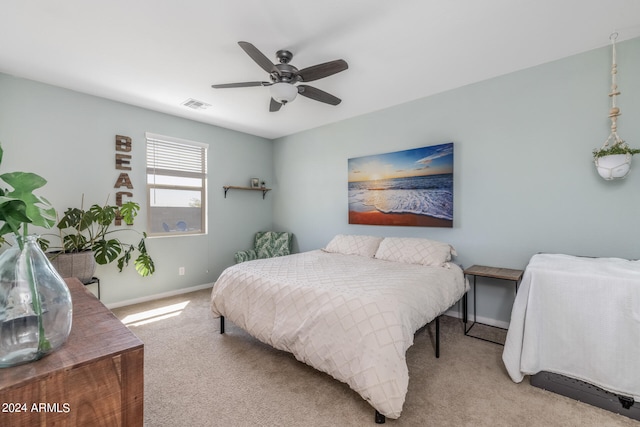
<point>349,316</point>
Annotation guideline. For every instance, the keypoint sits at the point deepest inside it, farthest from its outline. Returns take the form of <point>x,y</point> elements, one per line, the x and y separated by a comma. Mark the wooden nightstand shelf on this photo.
<point>232,187</point>
<point>507,274</point>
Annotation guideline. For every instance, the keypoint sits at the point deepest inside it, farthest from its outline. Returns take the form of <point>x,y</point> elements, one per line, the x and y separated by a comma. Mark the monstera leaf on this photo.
<point>19,206</point>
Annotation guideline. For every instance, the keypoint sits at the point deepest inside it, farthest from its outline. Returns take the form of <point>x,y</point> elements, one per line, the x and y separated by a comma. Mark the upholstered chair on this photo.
<point>267,244</point>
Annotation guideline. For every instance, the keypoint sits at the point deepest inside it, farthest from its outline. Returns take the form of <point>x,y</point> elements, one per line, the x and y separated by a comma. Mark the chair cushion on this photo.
<point>242,256</point>
<point>272,243</point>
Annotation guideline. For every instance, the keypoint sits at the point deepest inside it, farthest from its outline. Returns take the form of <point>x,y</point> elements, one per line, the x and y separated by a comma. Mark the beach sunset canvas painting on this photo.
<point>411,188</point>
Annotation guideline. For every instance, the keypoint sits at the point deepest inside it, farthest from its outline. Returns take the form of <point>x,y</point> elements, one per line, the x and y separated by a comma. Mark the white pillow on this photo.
<point>411,250</point>
<point>354,245</point>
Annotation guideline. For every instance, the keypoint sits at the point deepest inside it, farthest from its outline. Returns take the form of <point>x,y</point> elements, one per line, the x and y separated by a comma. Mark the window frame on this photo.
<point>152,138</point>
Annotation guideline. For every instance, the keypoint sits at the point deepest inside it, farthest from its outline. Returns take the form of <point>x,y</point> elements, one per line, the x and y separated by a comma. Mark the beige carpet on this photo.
<point>196,377</point>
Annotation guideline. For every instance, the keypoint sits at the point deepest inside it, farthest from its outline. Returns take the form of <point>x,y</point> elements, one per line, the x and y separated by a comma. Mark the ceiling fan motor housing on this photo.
<point>284,73</point>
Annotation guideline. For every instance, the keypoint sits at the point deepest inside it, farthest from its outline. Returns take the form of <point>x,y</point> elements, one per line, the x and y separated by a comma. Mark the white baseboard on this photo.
<point>480,319</point>
<point>159,296</point>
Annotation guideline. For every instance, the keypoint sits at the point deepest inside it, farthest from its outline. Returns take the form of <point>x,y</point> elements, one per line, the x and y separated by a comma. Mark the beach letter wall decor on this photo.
<point>123,162</point>
<point>411,187</point>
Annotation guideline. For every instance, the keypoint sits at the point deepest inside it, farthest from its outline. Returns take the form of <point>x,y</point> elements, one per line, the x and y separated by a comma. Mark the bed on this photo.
<point>350,309</point>
<point>578,317</point>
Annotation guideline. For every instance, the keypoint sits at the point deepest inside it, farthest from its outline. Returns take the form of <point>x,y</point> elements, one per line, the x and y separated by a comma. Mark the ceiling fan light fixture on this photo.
<point>283,92</point>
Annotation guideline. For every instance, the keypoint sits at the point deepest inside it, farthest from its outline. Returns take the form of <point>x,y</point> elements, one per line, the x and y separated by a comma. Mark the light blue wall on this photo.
<point>69,139</point>
<point>524,179</point>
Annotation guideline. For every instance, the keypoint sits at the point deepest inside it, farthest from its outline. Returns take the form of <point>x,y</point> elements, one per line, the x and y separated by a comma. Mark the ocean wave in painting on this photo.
<point>425,195</point>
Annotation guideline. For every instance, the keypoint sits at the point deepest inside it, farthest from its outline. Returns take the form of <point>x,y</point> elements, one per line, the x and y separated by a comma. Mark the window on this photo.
<point>176,186</point>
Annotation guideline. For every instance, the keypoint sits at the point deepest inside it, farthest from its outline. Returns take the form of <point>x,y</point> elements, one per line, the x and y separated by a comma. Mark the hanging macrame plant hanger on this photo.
<point>614,160</point>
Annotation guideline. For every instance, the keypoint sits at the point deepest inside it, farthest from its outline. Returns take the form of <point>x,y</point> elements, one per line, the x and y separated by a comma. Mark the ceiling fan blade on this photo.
<point>274,106</point>
<point>243,84</point>
<point>257,56</point>
<point>320,71</point>
<point>318,95</point>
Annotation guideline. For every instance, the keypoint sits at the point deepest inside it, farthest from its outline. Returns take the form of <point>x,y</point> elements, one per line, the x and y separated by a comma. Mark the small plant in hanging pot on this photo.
<point>614,161</point>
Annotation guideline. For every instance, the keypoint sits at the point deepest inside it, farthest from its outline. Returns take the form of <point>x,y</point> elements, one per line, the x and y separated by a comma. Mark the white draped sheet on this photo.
<point>579,317</point>
<point>350,316</point>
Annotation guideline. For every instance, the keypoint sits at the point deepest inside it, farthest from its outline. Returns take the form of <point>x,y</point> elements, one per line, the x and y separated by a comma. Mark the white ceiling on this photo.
<point>159,53</point>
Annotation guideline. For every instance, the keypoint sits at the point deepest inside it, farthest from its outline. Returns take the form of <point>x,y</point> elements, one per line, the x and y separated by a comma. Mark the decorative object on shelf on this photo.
<point>91,231</point>
<point>233,187</point>
<point>35,304</point>
<point>613,159</point>
<point>255,183</point>
<point>263,185</point>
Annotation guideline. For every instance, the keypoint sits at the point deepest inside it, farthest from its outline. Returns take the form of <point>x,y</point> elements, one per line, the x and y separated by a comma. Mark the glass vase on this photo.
<point>35,304</point>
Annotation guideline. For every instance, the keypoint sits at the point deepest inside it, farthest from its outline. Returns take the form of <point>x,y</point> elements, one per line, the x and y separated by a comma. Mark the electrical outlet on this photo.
<point>181,271</point>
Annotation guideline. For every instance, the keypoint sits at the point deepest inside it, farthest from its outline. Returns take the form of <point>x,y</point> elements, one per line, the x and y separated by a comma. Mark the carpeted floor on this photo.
<point>194,376</point>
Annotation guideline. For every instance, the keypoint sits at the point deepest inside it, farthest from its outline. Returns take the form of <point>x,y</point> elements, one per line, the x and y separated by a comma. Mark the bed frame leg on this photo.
<point>222,324</point>
<point>437,337</point>
<point>380,419</point>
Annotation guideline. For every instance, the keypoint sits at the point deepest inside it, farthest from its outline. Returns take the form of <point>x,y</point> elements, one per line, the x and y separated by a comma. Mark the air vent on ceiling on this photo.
<point>195,104</point>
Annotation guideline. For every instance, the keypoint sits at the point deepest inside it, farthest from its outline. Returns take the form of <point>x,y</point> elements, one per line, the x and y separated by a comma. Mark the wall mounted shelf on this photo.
<point>233,187</point>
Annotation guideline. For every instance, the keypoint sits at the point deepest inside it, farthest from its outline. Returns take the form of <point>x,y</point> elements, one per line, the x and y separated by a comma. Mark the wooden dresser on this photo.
<point>94,379</point>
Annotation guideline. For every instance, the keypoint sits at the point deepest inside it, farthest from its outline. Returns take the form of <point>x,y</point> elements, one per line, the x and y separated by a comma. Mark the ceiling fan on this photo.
<point>284,77</point>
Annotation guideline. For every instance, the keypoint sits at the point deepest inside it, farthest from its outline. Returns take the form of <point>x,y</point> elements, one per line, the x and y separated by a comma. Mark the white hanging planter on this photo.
<point>613,166</point>
<point>613,159</point>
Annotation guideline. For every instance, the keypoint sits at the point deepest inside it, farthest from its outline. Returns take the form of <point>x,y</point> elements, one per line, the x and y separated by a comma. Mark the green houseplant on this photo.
<point>35,303</point>
<point>92,230</point>
<point>20,207</point>
<point>617,148</point>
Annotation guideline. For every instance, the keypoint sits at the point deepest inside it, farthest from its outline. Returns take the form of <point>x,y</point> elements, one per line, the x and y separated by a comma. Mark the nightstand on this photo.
<point>506,274</point>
